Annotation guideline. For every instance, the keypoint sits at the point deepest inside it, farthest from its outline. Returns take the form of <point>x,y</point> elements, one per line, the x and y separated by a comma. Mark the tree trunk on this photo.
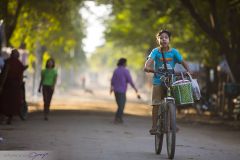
<point>10,20</point>
<point>227,48</point>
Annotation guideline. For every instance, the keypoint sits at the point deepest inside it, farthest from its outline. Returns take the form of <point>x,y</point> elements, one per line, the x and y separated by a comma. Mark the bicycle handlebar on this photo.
<point>171,73</point>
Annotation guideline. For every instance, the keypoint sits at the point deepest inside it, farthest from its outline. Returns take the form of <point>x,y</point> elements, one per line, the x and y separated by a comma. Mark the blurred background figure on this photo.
<point>1,41</point>
<point>83,80</point>
<point>10,86</point>
<point>120,78</point>
<point>1,62</point>
<point>47,85</point>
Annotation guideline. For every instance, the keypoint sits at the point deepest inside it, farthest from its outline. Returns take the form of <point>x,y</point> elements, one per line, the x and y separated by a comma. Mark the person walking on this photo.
<point>47,85</point>
<point>120,78</point>
<point>1,62</point>
<point>155,62</point>
<point>11,97</point>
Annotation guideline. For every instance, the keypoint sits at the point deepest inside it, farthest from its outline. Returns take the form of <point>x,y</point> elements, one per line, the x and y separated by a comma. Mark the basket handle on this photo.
<point>190,77</point>
<point>182,76</point>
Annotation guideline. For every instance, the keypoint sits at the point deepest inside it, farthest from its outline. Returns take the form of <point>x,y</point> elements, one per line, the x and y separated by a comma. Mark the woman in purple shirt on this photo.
<point>121,77</point>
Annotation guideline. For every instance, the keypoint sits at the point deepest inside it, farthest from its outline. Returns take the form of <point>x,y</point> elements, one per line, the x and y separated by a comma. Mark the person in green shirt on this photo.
<point>47,85</point>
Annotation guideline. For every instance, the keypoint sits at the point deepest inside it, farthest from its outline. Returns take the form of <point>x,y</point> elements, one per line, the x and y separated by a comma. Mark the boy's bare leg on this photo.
<point>154,119</point>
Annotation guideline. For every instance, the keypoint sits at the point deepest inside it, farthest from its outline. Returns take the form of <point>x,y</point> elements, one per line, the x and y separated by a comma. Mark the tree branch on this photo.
<point>197,17</point>
<point>11,23</point>
<point>215,32</point>
<point>4,7</point>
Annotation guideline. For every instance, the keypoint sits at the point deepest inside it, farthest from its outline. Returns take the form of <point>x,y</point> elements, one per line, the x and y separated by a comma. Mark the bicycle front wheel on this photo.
<point>171,129</point>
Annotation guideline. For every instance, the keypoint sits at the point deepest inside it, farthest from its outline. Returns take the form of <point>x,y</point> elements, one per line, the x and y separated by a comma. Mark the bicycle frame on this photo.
<point>162,109</point>
<point>166,123</point>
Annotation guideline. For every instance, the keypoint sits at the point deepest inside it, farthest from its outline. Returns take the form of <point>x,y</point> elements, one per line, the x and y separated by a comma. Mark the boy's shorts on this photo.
<point>158,93</point>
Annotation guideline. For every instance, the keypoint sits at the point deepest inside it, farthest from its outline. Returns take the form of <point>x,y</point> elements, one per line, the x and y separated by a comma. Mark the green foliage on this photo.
<point>107,56</point>
<point>134,23</point>
<point>203,31</point>
<point>55,25</point>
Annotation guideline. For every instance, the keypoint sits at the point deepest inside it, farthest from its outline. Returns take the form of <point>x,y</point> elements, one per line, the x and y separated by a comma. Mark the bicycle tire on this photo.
<point>171,129</point>
<point>159,135</point>
<point>158,143</point>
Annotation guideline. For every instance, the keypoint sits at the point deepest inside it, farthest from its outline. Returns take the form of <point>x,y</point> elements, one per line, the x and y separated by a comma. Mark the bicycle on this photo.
<point>166,121</point>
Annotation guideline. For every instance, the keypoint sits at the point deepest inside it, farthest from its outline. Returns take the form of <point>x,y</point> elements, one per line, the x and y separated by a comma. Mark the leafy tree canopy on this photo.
<point>55,25</point>
<point>202,30</point>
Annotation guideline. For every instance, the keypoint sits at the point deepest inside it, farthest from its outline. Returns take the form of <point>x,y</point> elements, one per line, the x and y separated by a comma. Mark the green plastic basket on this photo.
<point>182,92</point>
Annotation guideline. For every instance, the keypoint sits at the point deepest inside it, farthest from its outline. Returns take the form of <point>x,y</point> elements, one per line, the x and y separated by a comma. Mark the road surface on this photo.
<point>81,127</point>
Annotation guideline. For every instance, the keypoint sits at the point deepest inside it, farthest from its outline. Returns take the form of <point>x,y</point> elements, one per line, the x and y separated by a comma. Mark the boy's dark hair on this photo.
<point>122,61</point>
<point>164,31</point>
<point>50,59</point>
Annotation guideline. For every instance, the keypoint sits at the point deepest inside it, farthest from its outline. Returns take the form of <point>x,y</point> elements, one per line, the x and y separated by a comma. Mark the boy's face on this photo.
<point>163,40</point>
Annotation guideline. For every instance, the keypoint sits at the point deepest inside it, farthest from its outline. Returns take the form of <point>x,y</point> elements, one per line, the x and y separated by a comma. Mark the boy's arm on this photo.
<point>185,65</point>
<point>148,67</point>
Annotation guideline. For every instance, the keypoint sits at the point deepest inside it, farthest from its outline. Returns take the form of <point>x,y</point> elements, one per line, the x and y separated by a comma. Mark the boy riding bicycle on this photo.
<point>155,61</point>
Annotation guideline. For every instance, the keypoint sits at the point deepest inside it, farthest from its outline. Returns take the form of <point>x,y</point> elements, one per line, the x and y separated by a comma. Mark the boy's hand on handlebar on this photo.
<point>190,72</point>
<point>149,70</point>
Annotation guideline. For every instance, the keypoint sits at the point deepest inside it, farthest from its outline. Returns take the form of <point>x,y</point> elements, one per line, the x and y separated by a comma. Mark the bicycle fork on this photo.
<point>163,114</point>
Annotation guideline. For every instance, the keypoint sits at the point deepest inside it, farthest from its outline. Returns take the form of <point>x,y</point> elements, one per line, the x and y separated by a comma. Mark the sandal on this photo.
<point>153,131</point>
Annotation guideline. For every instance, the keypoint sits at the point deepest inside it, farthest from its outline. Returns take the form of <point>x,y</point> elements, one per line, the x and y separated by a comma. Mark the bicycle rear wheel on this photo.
<point>171,129</point>
<point>159,135</point>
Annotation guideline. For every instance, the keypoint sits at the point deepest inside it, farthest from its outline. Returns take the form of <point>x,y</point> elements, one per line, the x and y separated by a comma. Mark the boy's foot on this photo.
<point>153,131</point>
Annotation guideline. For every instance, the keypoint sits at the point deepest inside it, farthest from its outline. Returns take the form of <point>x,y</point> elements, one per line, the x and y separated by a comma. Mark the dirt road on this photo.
<point>81,128</point>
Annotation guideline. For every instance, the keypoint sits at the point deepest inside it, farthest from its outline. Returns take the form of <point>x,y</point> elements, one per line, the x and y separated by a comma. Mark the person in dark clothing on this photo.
<point>10,86</point>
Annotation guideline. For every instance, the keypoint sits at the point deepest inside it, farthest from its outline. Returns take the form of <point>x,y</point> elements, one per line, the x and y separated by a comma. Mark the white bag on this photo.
<point>195,88</point>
